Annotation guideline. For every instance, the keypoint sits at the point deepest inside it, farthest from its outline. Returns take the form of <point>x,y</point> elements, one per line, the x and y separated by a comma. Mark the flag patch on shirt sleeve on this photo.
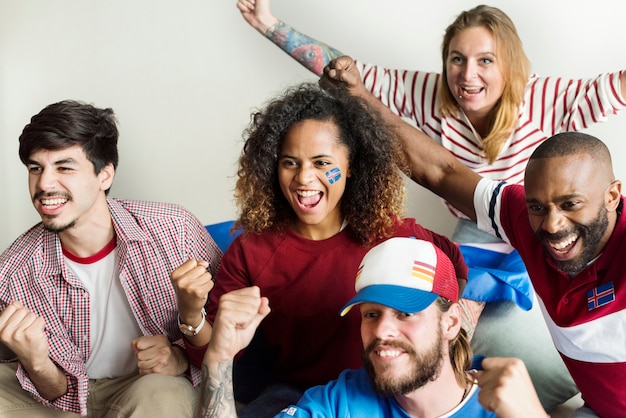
<point>600,296</point>
<point>291,411</point>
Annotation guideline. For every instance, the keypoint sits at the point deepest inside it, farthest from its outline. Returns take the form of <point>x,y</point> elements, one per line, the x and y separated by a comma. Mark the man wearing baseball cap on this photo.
<point>416,356</point>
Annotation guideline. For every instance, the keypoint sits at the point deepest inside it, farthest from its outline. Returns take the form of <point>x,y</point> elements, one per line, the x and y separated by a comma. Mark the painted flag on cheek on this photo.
<point>333,175</point>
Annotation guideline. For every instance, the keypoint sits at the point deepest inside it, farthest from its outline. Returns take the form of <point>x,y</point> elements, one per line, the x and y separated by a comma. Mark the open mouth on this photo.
<point>309,198</point>
<point>50,205</point>
<point>561,249</point>
<point>388,354</point>
<point>472,91</point>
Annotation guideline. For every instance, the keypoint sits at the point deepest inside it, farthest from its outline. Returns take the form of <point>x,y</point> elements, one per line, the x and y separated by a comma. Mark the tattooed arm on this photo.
<point>311,53</point>
<point>238,316</point>
<point>216,396</point>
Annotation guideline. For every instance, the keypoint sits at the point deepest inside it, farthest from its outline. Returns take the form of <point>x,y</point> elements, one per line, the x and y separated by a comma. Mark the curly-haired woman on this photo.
<point>318,185</point>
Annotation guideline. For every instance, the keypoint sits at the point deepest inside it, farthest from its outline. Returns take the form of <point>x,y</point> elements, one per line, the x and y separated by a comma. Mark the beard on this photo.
<point>49,221</point>
<point>591,235</point>
<point>424,367</point>
<point>48,224</point>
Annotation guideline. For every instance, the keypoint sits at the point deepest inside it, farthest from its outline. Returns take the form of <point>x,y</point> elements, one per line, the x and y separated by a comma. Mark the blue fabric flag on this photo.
<point>496,276</point>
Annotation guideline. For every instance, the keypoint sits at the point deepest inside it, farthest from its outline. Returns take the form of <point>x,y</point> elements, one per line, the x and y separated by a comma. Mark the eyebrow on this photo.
<point>558,199</point>
<point>454,51</point>
<point>65,161</point>
<point>312,158</point>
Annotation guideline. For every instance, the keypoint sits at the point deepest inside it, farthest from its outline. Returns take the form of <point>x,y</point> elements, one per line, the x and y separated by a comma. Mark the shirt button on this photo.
<point>566,301</point>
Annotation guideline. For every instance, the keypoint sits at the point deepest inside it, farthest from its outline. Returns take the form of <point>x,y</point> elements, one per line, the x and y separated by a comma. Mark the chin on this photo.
<point>50,226</point>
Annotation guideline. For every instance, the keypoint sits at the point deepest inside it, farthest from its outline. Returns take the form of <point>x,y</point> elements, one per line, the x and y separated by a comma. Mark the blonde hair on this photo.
<point>513,63</point>
<point>460,350</point>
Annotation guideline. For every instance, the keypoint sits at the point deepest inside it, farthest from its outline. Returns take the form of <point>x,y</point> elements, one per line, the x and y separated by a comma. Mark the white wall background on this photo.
<point>183,77</point>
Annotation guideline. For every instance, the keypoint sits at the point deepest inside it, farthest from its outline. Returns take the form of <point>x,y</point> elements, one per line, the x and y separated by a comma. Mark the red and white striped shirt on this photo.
<point>551,105</point>
<point>153,239</point>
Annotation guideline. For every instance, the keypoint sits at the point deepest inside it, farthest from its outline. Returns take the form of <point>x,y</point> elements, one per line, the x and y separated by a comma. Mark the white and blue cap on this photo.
<point>405,274</point>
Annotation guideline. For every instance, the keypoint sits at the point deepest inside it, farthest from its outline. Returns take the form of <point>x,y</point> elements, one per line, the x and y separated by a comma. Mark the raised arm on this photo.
<point>431,165</point>
<point>309,52</point>
<point>238,316</point>
<point>192,283</point>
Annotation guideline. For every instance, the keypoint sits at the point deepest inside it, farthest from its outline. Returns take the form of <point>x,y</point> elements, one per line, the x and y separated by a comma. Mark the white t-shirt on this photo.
<point>113,325</point>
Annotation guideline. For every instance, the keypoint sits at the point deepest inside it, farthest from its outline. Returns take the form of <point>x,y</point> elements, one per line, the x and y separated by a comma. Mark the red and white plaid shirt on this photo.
<point>153,239</point>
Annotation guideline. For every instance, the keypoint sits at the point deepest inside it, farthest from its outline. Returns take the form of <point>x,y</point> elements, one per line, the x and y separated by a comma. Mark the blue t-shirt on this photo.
<point>352,395</point>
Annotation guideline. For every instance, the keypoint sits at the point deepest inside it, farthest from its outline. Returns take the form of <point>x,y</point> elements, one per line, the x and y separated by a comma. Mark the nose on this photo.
<point>469,70</point>
<point>305,174</point>
<point>385,328</point>
<point>553,221</point>
<point>45,179</point>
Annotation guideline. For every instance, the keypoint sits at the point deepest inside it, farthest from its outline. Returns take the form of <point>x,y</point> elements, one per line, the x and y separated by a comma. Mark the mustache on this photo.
<point>547,236</point>
<point>41,194</point>
<point>371,347</point>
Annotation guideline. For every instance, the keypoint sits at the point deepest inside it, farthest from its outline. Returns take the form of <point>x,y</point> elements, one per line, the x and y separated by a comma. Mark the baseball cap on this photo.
<point>406,274</point>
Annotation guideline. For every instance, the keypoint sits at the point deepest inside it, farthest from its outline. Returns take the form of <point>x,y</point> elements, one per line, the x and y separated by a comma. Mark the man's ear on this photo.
<point>106,176</point>
<point>451,321</point>
<point>613,195</point>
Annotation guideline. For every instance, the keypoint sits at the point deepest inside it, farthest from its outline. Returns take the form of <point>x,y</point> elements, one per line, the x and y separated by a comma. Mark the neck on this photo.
<point>90,234</point>
<point>481,123</point>
<point>329,227</point>
<point>435,398</point>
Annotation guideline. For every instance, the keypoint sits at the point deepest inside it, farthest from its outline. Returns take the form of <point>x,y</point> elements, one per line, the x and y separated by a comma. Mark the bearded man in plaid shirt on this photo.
<point>88,313</point>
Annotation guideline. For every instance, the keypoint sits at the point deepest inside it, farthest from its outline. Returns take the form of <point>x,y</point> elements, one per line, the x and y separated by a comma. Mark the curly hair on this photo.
<point>373,200</point>
<point>513,63</point>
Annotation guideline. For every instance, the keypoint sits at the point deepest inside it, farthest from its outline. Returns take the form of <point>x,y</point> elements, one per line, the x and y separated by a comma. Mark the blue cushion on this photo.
<point>222,234</point>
